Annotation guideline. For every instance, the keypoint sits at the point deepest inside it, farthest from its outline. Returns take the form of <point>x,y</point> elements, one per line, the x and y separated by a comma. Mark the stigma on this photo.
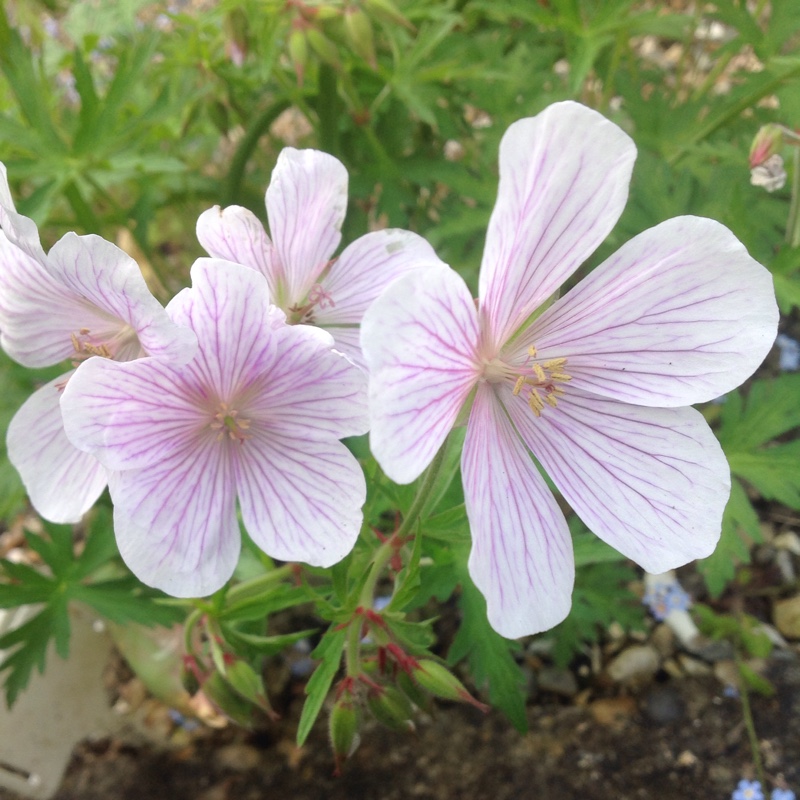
<point>228,422</point>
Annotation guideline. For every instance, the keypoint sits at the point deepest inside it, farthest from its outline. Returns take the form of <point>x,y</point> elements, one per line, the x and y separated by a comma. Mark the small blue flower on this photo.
<point>789,360</point>
<point>748,790</point>
<point>782,794</point>
<point>730,691</point>
<point>666,597</point>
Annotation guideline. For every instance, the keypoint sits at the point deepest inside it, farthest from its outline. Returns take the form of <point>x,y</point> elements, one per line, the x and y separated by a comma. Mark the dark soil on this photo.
<point>609,748</point>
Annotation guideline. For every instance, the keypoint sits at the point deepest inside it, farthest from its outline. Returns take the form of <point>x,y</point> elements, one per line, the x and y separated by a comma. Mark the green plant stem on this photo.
<point>382,557</point>
<point>793,223</point>
<point>254,586</point>
<point>749,724</point>
<point>258,127</point>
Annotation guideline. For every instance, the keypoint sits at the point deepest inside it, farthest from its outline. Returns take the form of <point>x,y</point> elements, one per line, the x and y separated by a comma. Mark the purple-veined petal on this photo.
<point>62,482</point>
<point>228,309</point>
<point>306,206</point>
<point>236,234</point>
<point>420,341</point>
<point>308,390</point>
<point>680,314</point>
<point>38,315</point>
<point>300,499</point>
<point>652,482</point>
<point>347,340</point>
<point>118,302</point>
<point>134,414</point>
<point>175,521</point>
<point>564,178</point>
<point>521,556</point>
<point>21,231</point>
<point>366,268</point>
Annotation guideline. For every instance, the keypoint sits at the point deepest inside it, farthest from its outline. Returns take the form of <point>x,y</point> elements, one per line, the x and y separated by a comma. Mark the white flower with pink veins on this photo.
<point>84,299</point>
<point>596,386</point>
<point>306,204</point>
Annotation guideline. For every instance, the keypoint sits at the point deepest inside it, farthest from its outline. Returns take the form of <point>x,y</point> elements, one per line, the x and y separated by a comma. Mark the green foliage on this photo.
<point>600,597</point>
<point>72,574</point>
<point>749,426</point>
<point>489,655</point>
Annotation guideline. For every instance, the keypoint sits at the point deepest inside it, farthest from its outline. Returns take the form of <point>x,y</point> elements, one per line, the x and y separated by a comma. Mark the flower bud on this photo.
<point>766,143</point>
<point>359,34</point>
<point>440,682</point>
<point>298,53</point>
<point>244,680</point>
<point>391,708</point>
<point>343,729</point>
<point>323,46</point>
<point>388,10</point>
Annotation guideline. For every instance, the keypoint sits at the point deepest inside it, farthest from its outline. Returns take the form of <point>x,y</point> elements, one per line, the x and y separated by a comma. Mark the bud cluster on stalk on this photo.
<point>391,685</point>
<point>331,32</point>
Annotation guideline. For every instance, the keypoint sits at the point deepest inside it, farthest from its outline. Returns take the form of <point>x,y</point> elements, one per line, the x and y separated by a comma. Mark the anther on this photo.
<point>519,384</point>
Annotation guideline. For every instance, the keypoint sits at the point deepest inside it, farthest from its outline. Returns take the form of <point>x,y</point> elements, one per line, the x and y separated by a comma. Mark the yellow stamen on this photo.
<point>518,385</point>
<point>532,351</point>
<point>560,376</point>
<point>541,376</point>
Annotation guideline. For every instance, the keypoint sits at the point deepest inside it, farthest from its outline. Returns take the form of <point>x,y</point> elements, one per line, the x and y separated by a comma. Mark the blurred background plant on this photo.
<point>129,119</point>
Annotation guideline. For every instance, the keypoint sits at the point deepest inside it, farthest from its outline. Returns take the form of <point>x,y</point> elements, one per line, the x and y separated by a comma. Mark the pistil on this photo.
<point>227,420</point>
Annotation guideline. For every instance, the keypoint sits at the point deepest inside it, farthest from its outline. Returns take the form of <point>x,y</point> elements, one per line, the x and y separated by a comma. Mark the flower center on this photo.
<point>123,345</point>
<point>227,421</point>
<point>304,314</point>
<point>539,380</point>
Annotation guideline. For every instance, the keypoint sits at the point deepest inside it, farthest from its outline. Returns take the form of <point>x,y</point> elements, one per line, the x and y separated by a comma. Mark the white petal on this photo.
<point>521,555</point>
<point>420,341</point>
<point>116,297</point>
<point>134,414</point>
<point>62,482</point>
<point>366,268</point>
<point>228,309</point>
<point>236,234</point>
<point>306,206</point>
<point>38,315</point>
<point>307,389</point>
<point>652,482</point>
<point>21,231</point>
<point>564,178</point>
<point>175,521</point>
<point>301,500</point>
<point>681,314</point>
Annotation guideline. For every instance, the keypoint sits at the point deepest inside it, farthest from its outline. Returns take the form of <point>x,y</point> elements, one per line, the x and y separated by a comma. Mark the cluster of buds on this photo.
<point>227,683</point>
<point>390,686</point>
<point>326,29</point>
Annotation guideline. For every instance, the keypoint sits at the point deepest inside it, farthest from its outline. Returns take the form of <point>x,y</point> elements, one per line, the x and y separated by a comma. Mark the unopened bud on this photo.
<point>246,681</point>
<point>359,33</point>
<point>323,46</point>
<point>767,143</point>
<point>388,10</point>
<point>413,692</point>
<point>229,702</point>
<point>440,682</point>
<point>343,729</point>
<point>298,53</point>
<point>391,708</point>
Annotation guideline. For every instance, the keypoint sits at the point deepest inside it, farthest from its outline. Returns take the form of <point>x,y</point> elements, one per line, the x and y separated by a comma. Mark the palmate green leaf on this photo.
<point>774,471</point>
<point>489,655</point>
<point>787,291</point>
<point>600,597</point>
<point>771,409</point>
<point>27,646</point>
<point>329,650</point>
<point>740,528</point>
